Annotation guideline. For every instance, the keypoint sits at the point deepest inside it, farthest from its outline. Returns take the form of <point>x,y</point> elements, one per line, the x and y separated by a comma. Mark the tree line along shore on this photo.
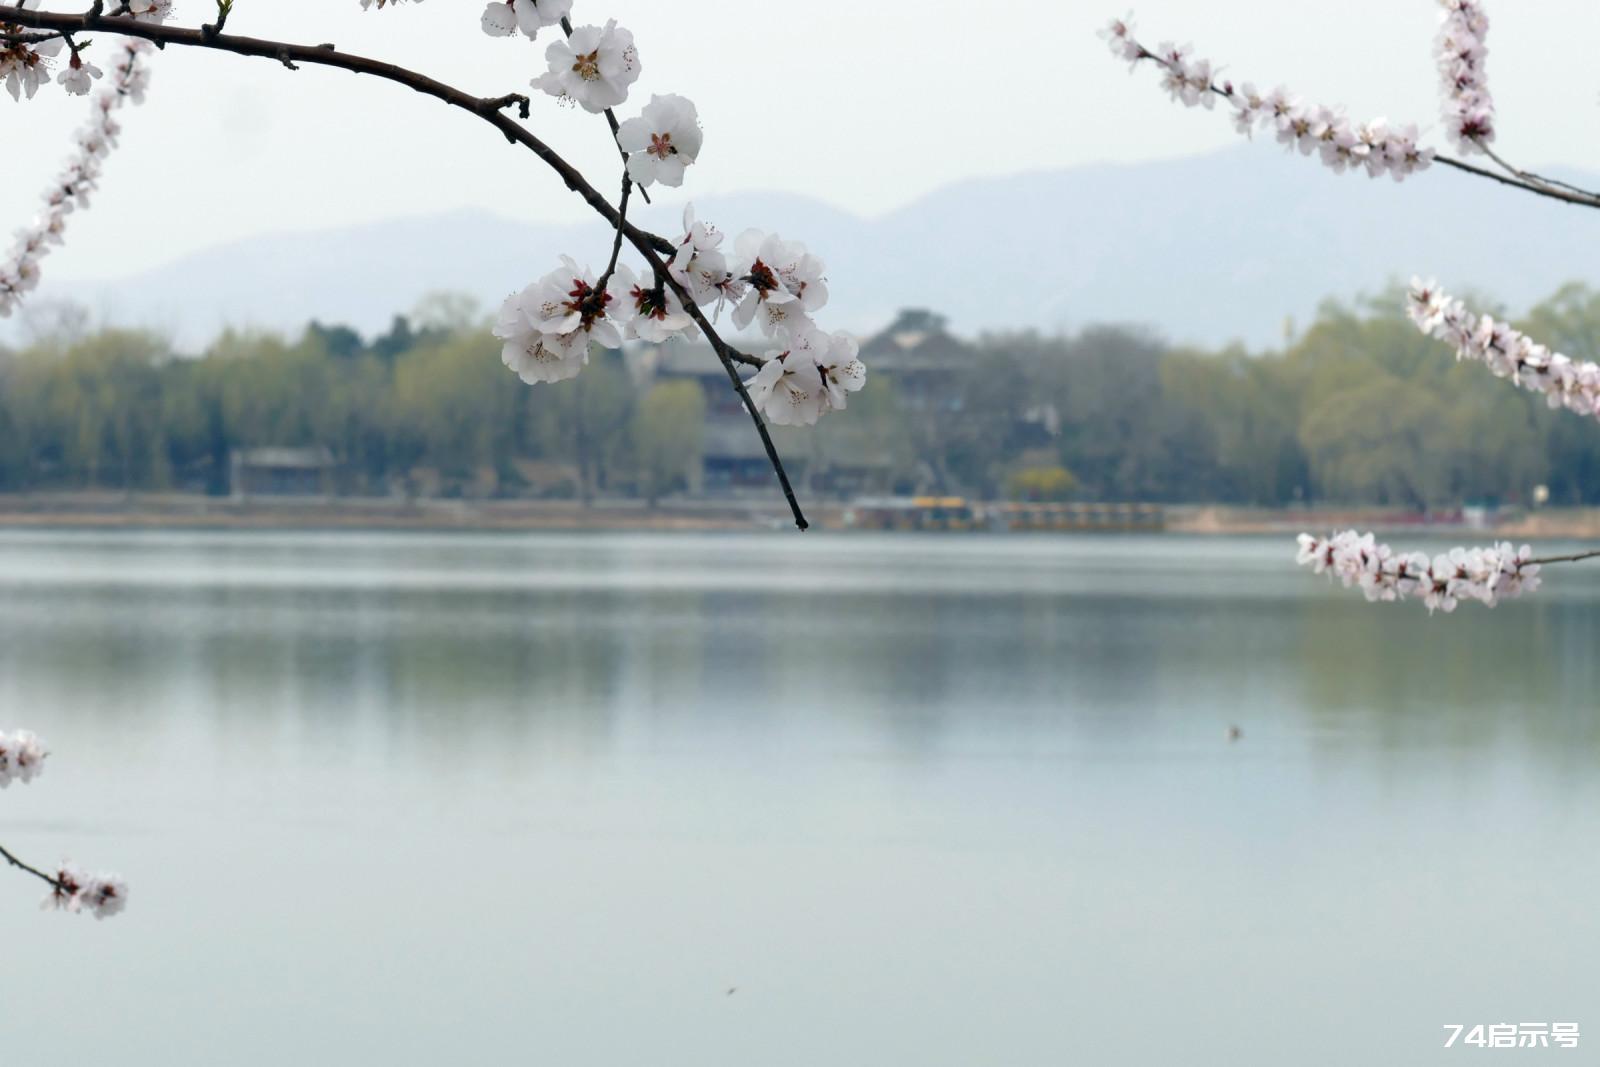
<point>1356,411</point>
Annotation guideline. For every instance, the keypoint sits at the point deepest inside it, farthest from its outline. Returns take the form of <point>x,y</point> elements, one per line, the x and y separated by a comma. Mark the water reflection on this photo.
<point>608,776</point>
<point>899,645</point>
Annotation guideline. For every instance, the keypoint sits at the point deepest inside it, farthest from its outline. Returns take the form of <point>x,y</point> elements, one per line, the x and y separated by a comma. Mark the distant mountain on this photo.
<point>1207,249</point>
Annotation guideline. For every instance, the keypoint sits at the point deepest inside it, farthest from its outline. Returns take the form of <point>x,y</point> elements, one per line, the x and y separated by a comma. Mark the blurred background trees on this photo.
<point>1360,408</point>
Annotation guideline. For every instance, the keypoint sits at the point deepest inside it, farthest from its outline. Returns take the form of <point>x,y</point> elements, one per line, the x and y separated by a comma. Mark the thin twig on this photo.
<point>1584,200</point>
<point>520,100</point>
<point>1578,557</point>
<point>9,38</point>
<point>36,872</point>
<point>1530,176</point>
<point>616,243</point>
<point>224,9</point>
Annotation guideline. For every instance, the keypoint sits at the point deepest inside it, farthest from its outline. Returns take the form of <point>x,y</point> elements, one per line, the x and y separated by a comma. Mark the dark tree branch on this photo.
<point>729,356</point>
<point>1578,557</point>
<point>486,109</point>
<point>491,110</point>
<point>1537,179</point>
<point>8,37</point>
<point>36,872</point>
<point>224,9</point>
<point>1582,200</point>
<point>522,103</point>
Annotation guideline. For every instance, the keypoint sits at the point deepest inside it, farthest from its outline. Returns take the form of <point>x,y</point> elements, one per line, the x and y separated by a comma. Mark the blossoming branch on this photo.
<point>22,757</point>
<point>1376,146</point>
<point>1508,353</point>
<point>1312,128</point>
<point>1486,575</point>
<point>20,270</point>
<point>548,326</point>
<point>1460,49</point>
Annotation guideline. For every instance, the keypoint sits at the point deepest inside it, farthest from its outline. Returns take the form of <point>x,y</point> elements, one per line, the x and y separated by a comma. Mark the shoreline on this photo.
<point>91,510</point>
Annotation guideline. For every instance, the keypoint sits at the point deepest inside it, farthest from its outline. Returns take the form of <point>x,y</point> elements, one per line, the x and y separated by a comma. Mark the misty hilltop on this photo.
<point>1229,246</point>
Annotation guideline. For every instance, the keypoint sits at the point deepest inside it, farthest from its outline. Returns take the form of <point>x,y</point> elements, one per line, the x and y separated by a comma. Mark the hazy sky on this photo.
<point>867,105</point>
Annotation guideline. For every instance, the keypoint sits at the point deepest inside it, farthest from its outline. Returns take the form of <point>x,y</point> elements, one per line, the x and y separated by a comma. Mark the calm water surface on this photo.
<point>918,800</point>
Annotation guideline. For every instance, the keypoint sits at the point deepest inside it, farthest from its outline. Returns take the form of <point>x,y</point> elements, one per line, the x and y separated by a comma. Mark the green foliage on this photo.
<point>1361,408</point>
<point>451,410</point>
<point>590,420</point>
<point>671,437</point>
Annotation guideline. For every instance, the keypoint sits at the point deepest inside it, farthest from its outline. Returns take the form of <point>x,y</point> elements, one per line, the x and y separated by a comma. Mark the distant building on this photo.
<point>280,472</point>
<point>917,352</point>
<point>924,359</point>
<point>733,458</point>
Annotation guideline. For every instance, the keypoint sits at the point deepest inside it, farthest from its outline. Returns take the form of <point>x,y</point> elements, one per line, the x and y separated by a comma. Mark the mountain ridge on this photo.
<point>1204,249</point>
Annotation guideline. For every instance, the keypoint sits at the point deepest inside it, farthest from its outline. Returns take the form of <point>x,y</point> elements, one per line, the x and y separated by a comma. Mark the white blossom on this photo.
<point>547,327</point>
<point>1487,575</point>
<point>838,360</point>
<point>528,16</point>
<point>67,888</point>
<point>700,267</point>
<point>22,757</point>
<point>593,67</point>
<point>25,68</point>
<point>651,313</point>
<point>79,76</point>
<point>104,896</point>
<point>662,141</point>
<point>788,388</point>
<point>786,282</point>
<point>1118,35</point>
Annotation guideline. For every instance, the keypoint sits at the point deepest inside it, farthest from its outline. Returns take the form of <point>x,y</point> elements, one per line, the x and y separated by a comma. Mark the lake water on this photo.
<point>414,799</point>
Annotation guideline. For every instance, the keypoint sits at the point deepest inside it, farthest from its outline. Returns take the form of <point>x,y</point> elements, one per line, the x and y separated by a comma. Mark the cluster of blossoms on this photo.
<point>1460,51</point>
<point>25,65</point>
<point>809,373</point>
<point>1487,575</point>
<point>101,895</point>
<point>1484,574</point>
<point>1374,147</point>
<point>19,271</point>
<point>1508,353</point>
<point>547,328</point>
<point>22,757</point>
